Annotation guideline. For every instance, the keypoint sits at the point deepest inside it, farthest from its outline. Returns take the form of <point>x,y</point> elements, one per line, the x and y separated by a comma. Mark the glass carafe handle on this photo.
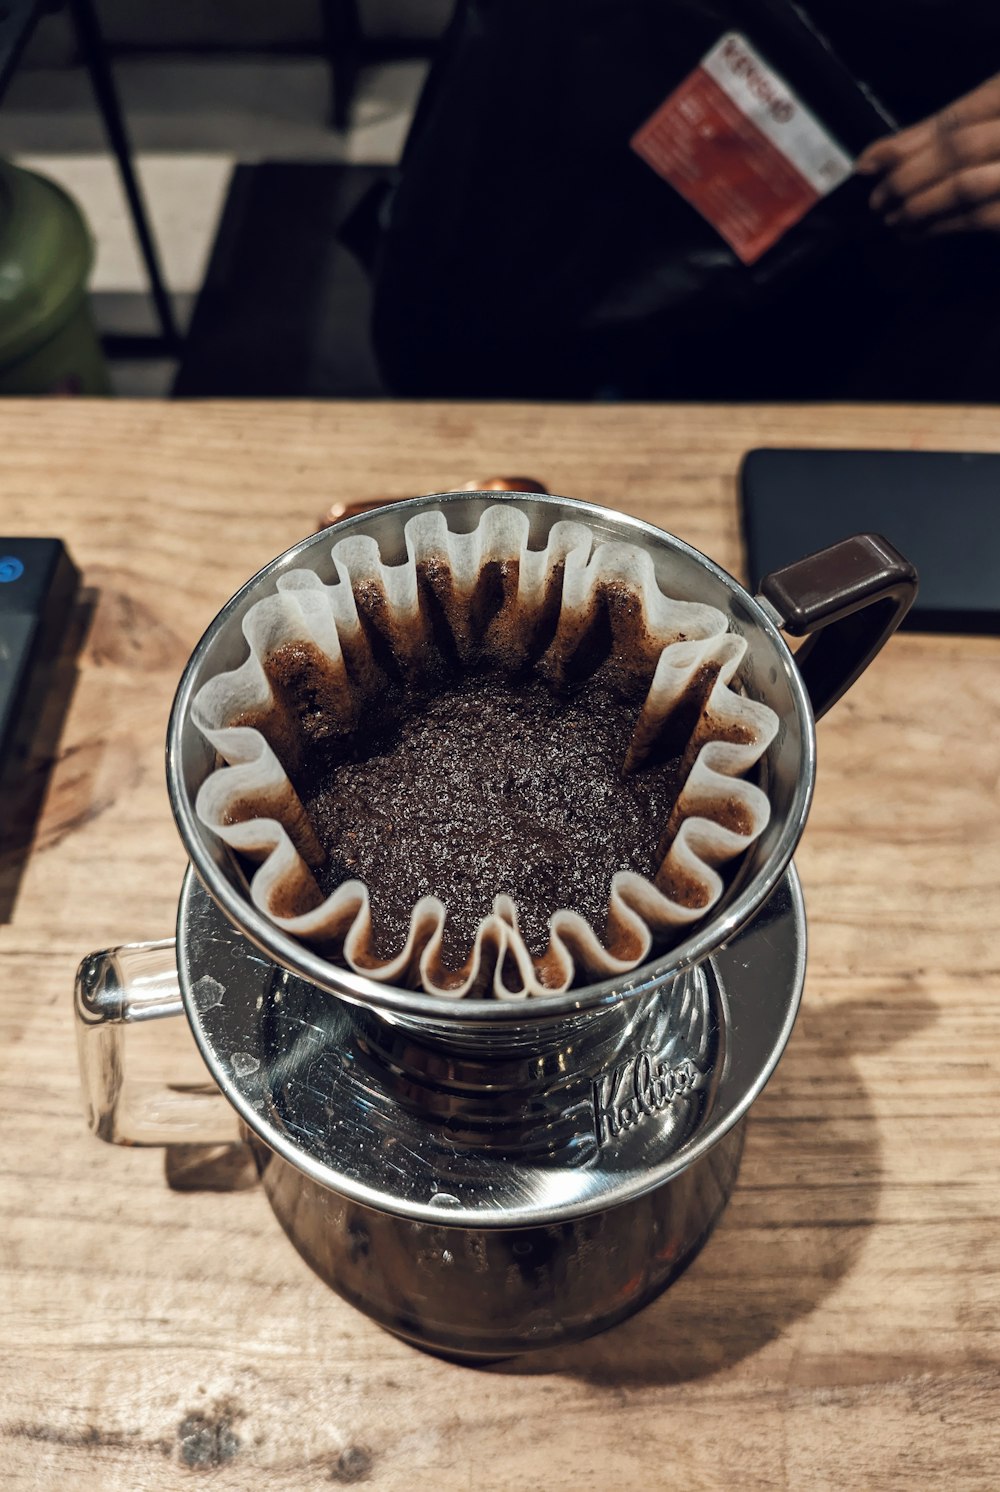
<point>117,988</point>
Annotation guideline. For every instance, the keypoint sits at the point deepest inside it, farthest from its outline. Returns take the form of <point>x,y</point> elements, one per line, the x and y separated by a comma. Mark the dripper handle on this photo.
<point>847,601</point>
<point>115,989</point>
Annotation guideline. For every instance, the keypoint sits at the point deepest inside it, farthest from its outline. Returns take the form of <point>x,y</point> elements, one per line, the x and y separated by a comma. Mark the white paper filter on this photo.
<point>497,597</point>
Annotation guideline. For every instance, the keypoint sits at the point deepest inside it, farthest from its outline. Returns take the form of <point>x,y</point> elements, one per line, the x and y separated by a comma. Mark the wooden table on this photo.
<point>841,1328</point>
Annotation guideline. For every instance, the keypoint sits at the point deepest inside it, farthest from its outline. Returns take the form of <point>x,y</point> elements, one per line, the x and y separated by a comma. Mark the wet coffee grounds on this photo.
<point>491,785</point>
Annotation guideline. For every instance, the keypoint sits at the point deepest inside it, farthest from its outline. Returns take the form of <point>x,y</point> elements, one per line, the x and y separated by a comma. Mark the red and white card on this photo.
<point>742,148</point>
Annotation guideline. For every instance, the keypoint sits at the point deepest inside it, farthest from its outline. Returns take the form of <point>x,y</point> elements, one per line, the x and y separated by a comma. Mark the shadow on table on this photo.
<point>807,1192</point>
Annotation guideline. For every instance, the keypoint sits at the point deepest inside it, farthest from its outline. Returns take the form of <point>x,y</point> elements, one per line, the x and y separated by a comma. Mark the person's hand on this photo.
<point>942,175</point>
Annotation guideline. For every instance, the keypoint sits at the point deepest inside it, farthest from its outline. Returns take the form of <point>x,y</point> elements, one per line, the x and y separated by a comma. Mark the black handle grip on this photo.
<point>849,600</point>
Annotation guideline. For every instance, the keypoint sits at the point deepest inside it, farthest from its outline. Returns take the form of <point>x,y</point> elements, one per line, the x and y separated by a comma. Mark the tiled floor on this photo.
<point>190,122</point>
<point>262,108</point>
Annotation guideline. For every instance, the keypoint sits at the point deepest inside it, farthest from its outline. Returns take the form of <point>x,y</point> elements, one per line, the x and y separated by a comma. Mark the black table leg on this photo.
<point>96,58</point>
<point>17,21</point>
<point>342,37</point>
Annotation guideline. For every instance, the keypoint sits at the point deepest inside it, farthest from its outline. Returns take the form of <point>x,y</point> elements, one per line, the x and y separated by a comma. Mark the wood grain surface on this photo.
<point>841,1329</point>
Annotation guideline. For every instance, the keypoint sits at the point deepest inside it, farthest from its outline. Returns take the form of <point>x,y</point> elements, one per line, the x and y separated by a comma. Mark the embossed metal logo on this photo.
<point>640,1087</point>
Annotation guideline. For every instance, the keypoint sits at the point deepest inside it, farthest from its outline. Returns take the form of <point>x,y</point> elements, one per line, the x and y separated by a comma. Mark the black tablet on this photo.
<point>940,509</point>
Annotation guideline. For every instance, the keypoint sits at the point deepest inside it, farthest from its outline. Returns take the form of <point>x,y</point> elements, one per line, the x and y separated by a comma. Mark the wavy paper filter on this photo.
<point>507,606</point>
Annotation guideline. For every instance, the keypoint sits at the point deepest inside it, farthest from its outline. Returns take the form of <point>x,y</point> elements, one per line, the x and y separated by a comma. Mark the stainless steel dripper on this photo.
<point>481,1177</point>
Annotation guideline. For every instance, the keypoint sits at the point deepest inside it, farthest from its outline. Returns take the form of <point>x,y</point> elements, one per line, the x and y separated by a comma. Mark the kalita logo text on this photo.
<point>639,1088</point>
